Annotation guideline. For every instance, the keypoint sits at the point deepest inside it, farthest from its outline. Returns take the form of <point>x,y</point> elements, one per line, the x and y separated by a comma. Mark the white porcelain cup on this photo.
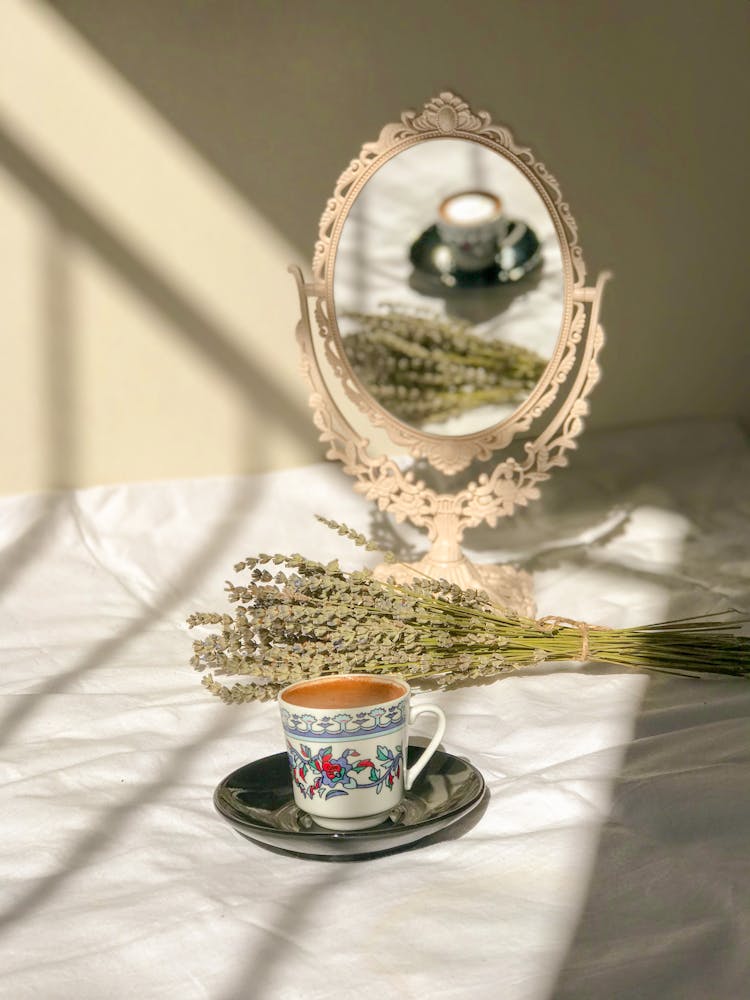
<point>346,738</point>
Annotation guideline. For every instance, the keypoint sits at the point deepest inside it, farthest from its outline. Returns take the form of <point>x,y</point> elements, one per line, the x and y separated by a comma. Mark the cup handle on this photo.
<point>416,769</point>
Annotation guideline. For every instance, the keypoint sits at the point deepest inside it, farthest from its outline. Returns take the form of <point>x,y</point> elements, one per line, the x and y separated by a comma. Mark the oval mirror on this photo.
<point>448,266</point>
<point>452,313</point>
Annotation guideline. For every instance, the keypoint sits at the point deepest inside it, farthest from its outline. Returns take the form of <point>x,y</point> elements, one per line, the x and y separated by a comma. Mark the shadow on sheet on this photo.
<point>668,907</point>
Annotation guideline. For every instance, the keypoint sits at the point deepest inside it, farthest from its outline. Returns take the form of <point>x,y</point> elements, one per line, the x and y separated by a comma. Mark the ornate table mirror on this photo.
<point>456,338</point>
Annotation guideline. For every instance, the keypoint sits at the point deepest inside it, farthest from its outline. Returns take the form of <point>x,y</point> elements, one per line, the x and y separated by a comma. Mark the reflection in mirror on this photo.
<point>448,286</point>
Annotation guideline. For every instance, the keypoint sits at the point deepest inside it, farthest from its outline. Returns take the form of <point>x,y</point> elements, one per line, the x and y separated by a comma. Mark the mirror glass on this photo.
<point>448,286</point>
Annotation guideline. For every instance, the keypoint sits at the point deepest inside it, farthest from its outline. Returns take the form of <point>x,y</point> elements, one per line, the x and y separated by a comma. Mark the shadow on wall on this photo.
<point>634,107</point>
<point>143,330</point>
<point>174,121</point>
<point>71,222</point>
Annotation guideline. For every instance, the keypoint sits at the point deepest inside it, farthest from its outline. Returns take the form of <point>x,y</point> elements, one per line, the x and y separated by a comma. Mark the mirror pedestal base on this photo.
<point>506,586</point>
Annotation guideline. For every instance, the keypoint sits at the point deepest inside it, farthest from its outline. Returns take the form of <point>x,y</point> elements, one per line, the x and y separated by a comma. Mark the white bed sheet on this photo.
<point>611,859</point>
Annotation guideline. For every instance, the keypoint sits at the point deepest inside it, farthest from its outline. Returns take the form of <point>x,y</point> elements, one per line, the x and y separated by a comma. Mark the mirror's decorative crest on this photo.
<point>448,113</point>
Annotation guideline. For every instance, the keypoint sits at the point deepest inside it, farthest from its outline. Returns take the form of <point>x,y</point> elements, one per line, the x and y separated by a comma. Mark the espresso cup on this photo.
<point>472,224</point>
<point>346,739</point>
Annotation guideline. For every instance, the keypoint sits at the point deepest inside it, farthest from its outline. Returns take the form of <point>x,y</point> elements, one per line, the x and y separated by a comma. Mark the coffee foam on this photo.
<point>344,692</point>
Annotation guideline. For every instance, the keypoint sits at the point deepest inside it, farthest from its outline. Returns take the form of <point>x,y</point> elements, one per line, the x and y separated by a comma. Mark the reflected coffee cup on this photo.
<point>471,224</point>
<point>346,739</point>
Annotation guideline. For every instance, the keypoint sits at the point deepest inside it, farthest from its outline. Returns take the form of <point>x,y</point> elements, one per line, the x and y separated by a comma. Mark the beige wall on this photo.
<point>147,315</point>
<point>161,163</point>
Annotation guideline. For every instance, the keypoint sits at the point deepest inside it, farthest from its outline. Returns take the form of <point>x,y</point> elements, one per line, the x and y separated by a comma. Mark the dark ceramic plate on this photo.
<point>257,801</point>
<point>517,254</point>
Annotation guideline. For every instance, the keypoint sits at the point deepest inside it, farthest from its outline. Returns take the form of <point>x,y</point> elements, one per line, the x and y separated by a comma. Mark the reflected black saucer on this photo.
<point>517,254</point>
<point>257,801</point>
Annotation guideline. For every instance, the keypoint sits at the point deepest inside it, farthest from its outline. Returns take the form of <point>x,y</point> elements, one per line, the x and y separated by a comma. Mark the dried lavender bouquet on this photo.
<point>425,368</point>
<point>297,618</point>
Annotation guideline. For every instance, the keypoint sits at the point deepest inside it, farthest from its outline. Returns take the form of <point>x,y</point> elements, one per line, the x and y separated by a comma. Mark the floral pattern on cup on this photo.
<point>371,722</point>
<point>327,776</point>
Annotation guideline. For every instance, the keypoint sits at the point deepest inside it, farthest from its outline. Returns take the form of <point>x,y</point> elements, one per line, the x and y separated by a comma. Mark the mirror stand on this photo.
<point>512,483</point>
<point>507,586</point>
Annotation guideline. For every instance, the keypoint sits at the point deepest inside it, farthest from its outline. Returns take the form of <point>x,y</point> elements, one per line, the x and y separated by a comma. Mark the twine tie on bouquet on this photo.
<point>551,622</point>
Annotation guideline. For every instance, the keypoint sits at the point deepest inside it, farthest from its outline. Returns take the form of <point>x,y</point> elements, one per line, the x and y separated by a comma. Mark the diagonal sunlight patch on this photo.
<point>117,178</point>
<point>628,579</point>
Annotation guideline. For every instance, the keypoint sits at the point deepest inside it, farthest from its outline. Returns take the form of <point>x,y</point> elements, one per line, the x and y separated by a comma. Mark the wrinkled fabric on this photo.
<point>610,859</point>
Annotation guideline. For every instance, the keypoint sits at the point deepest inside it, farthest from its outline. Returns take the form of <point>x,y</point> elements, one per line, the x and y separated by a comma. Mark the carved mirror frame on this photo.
<point>513,482</point>
<point>449,117</point>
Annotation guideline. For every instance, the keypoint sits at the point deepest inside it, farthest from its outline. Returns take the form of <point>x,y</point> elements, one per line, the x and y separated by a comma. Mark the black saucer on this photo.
<point>517,254</point>
<point>257,801</point>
